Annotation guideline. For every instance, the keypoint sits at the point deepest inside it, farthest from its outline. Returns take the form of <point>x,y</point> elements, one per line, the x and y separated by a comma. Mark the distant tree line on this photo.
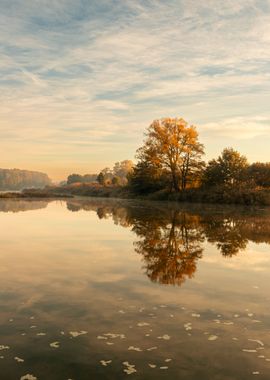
<point>117,176</point>
<point>77,178</point>
<point>16,179</point>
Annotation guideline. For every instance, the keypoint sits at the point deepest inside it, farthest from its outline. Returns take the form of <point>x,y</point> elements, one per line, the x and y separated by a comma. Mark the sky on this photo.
<point>80,81</point>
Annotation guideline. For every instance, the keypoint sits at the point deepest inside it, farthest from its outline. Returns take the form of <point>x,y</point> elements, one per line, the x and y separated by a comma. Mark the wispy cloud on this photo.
<point>240,127</point>
<point>92,73</point>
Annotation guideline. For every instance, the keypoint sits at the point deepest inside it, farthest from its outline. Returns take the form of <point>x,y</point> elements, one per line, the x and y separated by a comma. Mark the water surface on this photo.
<point>110,289</point>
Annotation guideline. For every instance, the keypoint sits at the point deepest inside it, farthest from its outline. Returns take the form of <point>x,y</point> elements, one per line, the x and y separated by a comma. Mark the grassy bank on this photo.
<point>90,190</point>
<point>216,195</point>
<point>33,193</point>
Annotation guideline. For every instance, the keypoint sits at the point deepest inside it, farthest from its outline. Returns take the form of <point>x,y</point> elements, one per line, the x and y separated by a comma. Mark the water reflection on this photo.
<point>18,205</point>
<point>228,235</point>
<point>171,238</point>
<point>75,304</point>
<point>170,247</point>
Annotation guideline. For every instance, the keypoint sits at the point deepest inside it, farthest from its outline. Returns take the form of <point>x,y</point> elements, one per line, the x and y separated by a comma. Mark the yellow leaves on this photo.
<point>172,136</point>
<point>172,144</point>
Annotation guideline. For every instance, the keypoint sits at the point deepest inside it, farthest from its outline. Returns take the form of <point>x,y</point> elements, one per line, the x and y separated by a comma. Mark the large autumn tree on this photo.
<point>172,146</point>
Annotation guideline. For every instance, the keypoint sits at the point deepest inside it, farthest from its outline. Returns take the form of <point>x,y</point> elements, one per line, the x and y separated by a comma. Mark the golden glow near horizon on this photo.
<point>80,83</point>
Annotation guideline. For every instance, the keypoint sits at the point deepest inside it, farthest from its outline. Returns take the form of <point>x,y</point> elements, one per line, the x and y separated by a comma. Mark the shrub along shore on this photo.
<point>218,195</point>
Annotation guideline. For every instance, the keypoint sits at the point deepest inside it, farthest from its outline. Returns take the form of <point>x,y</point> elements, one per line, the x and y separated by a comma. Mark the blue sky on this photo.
<point>81,80</point>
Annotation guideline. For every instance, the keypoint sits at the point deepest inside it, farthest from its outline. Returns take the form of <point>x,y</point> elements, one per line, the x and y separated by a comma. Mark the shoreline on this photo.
<point>123,194</point>
<point>32,195</point>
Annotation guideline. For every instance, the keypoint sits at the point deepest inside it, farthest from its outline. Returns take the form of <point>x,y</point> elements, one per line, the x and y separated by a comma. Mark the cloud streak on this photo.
<point>94,72</point>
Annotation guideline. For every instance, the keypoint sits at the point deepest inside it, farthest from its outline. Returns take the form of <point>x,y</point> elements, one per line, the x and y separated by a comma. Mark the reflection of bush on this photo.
<point>231,234</point>
<point>227,235</point>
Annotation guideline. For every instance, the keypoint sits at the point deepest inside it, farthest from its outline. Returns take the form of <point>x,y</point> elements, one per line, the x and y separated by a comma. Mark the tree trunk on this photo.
<point>174,181</point>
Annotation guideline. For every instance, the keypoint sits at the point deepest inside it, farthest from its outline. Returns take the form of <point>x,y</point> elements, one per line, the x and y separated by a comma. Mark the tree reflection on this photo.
<point>227,234</point>
<point>170,248</point>
<point>170,240</point>
<point>18,205</point>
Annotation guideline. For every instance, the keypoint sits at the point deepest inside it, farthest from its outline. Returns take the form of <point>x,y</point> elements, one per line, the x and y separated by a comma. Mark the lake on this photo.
<point>113,289</point>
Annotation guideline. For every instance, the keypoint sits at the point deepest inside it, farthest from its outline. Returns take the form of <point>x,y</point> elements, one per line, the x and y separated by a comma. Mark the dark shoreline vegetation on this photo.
<point>235,196</point>
<point>170,167</point>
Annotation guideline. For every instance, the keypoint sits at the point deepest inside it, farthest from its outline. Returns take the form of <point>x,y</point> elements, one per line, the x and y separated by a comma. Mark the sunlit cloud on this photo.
<point>96,74</point>
<point>240,127</point>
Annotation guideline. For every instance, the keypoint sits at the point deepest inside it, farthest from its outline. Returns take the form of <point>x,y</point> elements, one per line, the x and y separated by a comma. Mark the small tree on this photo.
<point>116,181</point>
<point>101,179</point>
<point>74,178</point>
<point>229,168</point>
<point>122,170</point>
<point>147,178</point>
<point>259,174</point>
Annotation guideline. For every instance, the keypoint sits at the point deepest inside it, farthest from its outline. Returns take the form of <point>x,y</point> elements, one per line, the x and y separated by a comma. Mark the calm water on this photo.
<point>104,289</point>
